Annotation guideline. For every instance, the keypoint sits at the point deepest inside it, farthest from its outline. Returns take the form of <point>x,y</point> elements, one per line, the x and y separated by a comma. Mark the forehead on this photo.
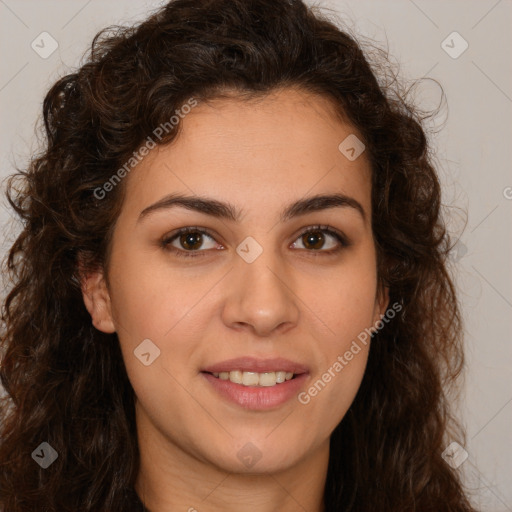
<point>255,153</point>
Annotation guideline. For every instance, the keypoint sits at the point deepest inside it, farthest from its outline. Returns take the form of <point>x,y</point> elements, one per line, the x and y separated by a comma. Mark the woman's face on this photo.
<point>263,285</point>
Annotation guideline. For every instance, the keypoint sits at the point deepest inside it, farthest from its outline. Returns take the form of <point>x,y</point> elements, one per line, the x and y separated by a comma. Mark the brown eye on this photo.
<point>313,240</point>
<point>321,239</point>
<point>191,241</point>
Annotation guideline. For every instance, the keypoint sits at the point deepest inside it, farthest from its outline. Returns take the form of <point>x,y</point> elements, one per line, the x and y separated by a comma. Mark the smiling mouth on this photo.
<point>254,379</point>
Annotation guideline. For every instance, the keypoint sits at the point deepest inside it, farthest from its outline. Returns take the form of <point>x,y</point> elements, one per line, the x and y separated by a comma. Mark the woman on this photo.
<point>230,290</point>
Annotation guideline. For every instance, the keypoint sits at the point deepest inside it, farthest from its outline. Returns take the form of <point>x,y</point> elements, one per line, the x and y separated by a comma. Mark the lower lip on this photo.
<point>257,398</point>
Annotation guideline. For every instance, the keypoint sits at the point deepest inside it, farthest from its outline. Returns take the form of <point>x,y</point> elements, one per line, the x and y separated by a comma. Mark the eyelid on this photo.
<point>331,231</point>
<point>167,239</point>
<point>326,228</point>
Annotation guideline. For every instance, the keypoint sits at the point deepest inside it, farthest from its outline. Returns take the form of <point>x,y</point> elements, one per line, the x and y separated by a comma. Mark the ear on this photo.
<point>381,303</point>
<point>97,300</point>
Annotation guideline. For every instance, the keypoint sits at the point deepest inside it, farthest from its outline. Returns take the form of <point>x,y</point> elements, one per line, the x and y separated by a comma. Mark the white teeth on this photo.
<point>280,377</point>
<point>235,376</point>
<point>250,379</point>
<point>266,379</point>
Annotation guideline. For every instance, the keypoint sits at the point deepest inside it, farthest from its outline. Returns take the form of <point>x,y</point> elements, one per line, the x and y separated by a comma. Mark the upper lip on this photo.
<point>252,364</point>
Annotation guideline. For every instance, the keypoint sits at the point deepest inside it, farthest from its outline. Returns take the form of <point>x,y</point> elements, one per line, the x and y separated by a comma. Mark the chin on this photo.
<point>254,457</point>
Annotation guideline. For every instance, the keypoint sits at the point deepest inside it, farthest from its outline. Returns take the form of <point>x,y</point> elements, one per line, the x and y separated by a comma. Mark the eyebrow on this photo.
<point>228,211</point>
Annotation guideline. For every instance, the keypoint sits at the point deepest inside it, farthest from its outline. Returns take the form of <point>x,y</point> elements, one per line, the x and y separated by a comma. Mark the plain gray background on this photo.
<point>472,154</point>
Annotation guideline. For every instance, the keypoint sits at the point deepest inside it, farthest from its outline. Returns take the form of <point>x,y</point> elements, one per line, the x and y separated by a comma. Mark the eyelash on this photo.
<point>165,243</point>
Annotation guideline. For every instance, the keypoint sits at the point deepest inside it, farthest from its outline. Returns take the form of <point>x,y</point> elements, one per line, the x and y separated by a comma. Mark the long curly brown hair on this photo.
<point>65,381</point>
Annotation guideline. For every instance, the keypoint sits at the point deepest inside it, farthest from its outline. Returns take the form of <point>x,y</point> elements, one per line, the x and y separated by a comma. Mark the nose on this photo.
<point>260,297</point>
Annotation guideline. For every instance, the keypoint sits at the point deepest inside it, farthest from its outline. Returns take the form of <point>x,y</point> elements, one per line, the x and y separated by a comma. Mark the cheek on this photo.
<point>156,309</point>
<point>344,302</point>
<point>342,353</point>
<point>344,314</point>
<point>151,298</point>
<point>148,309</point>
<point>329,395</point>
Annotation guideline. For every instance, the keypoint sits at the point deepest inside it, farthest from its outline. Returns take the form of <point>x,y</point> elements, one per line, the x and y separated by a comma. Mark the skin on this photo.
<point>292,301</point>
